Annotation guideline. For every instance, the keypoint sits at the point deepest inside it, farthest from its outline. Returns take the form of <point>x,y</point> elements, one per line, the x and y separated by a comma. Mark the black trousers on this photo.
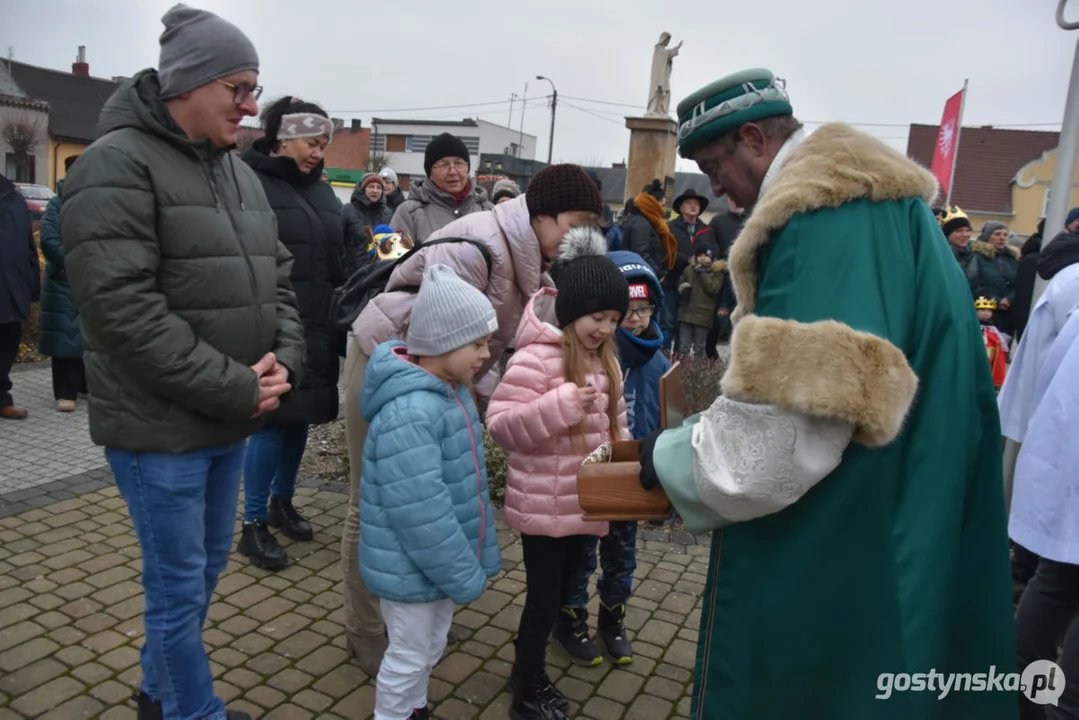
<point>68,378</point>
<point>551,567</point>
<point>1046,618</point>
<point>9,348</point>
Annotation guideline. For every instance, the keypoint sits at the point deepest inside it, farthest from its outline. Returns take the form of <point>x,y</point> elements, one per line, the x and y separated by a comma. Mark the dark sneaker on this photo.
<point>259,544</point>
<point>420,714</point>
<point>611,630</point>
<point>237,715</point>
<point>537,699</point>
<point>147,708</point>
<point>571,634</point>
<point>288,519</point>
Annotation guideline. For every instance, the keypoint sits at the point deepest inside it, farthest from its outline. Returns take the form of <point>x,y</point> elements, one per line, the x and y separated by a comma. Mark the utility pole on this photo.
<point>509,123</point>
<point>1059,199</point>
<point>554,107</point>
<point>521,134</point>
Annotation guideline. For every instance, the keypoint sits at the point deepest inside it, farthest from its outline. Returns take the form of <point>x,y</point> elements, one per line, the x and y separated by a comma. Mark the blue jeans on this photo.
<point>271,466</point>
<point>183,508</point>
<point>668,318</point>
<point>618,556</point>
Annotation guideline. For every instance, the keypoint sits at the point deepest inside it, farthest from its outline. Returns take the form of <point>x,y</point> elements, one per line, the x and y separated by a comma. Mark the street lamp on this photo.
<point>554,105</point>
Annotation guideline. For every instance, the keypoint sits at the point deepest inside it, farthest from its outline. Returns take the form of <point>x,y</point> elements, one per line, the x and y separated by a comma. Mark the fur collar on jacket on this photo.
<point>833,166</point>
<point>986,249</point>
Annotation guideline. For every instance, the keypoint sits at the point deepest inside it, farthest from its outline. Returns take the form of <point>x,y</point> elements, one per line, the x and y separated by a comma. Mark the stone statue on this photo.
<point>659,89</point>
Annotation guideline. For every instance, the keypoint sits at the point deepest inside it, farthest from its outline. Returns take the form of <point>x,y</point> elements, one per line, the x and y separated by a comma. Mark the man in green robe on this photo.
<point>854,459</point>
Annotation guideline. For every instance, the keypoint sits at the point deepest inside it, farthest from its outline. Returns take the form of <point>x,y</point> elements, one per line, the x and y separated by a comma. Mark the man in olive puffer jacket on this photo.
<point>190,325</point>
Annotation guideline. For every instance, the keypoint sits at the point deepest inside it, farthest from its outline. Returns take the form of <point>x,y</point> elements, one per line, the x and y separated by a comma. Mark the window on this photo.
<point>378,143</point>
<point>1045,202</point>
<point>20,170</point>
<point>418,143</point>
<point>395,143</point>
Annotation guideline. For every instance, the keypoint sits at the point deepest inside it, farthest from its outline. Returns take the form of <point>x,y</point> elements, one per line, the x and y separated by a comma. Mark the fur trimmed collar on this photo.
<point>990,252</point>
<point>833,166</point>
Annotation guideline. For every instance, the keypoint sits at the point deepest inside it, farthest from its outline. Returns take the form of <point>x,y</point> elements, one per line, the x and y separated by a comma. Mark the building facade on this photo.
<point>403,142</point>
<point>1000,175</point>
<point>74,101</point>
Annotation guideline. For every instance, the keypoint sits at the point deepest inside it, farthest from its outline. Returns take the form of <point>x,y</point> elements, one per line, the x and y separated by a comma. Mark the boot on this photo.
<point>289,520</point>
<point>236,715</point>
<point>610,627</point>
<point>536,698</point>
<point>571,634</point>
<point>257,543</point>
<point>147,708</point>
<point>420,714</point>
<point>13,413</point>
<point>367,652</point>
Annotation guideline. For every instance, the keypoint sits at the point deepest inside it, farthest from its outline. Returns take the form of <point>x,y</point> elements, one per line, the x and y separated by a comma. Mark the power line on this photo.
<point>589,112</point>
<point>603,102</point>
<point>824,122</point>
<point>436,107</point>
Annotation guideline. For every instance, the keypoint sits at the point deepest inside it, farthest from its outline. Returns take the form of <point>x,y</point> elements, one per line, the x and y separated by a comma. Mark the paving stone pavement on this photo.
<point>48,445</point>
<point>71,626</point>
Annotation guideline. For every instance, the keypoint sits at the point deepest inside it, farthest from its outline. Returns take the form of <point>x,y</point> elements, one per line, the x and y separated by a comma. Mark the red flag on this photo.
<point>947,141</point>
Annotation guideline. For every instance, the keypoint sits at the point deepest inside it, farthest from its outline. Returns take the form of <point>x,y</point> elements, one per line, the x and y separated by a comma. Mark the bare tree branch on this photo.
<point>22,133</point>
<point>377,162</point>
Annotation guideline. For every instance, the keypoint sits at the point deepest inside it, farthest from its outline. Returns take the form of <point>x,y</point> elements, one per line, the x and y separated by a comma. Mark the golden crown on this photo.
<point>984,303</point>
<point>952,213</point>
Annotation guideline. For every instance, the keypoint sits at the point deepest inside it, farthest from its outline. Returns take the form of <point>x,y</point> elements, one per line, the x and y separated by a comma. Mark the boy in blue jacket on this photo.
<point>640,344</point>
<point>428,540</point>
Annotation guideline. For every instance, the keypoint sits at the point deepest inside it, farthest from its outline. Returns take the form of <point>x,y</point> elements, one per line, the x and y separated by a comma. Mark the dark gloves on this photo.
<point>649,478</point>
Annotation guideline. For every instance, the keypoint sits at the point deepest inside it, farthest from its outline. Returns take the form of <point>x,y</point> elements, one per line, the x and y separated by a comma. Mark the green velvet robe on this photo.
<point>896,562</point>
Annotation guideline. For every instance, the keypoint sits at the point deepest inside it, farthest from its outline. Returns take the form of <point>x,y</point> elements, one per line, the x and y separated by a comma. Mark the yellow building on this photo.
<point>74,100</point>
<point>1000,175</point>
<point>1030,190</point>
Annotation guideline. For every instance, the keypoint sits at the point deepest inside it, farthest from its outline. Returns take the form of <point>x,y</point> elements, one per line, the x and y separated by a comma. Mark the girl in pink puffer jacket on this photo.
<point>561,397</point>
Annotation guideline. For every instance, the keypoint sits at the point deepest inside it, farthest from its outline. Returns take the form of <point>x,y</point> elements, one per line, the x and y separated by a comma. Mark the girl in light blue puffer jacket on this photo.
<point>428,539</point>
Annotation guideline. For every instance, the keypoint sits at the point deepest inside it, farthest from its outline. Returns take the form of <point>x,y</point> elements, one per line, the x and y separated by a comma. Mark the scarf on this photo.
<point>653,212</point>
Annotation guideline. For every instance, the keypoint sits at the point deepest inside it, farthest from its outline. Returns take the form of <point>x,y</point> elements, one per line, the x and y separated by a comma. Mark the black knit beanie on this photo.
<point>954,224</point>
<point>562,188</point>
<point>444,146</point>
<point>587,280</point>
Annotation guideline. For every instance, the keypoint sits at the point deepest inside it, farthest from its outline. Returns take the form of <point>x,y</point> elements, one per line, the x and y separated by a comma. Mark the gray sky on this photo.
<point>862,61</point>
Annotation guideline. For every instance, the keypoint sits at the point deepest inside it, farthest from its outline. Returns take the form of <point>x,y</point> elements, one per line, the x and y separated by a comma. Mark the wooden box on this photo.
<point>612,490</point>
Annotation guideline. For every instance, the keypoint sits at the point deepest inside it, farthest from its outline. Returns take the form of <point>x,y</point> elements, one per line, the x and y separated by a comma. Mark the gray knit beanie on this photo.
<point>198,47</point>
<point>448,314</point>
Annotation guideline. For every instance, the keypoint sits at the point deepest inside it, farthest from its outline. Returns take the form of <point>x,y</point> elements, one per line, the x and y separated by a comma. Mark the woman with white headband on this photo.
<point>288,159</point>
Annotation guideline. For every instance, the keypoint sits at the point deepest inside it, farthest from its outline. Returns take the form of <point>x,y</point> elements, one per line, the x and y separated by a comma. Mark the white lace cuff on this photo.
<point>753,460</point>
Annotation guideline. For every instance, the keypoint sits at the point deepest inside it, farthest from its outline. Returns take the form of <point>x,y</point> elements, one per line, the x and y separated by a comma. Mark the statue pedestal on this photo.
<point>653,146</point>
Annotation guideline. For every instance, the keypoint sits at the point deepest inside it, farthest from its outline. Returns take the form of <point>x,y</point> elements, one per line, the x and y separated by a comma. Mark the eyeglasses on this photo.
<point>458,165</point>
<point>644,313</point>
<point>242,91</point>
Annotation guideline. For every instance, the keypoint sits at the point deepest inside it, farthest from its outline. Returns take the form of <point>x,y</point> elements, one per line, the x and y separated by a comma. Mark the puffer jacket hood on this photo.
<point>428,527</point>
<point>1058,254</point>
<point>531,413</point>
<point>516,274</point>
<point>137,104</point>
<point>388,375</point>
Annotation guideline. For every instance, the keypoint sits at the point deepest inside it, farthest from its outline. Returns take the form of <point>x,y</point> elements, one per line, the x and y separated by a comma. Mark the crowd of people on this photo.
<point>851,470</point>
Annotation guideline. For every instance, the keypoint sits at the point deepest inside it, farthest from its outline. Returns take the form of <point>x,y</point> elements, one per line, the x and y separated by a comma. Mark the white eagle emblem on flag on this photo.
<point>947,137</point>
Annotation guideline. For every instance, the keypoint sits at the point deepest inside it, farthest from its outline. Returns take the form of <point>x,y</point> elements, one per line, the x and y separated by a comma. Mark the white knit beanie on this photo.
<point>448,314</point>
